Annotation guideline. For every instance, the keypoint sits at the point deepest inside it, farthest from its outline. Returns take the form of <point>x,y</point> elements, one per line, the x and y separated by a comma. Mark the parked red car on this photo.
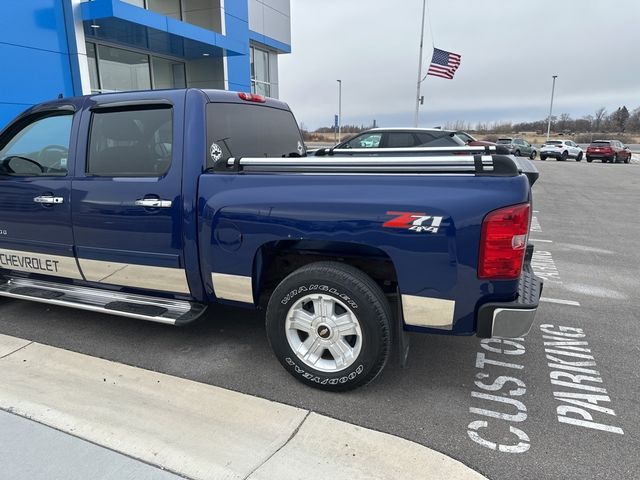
<point>473,142</point>
<point>608,151</point>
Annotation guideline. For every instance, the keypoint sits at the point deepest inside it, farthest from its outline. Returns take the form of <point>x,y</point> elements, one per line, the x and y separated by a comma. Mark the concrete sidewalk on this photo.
<point>188,428</point>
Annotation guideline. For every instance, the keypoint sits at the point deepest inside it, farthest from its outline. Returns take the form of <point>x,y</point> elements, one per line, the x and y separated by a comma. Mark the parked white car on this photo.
<point>561,150</point>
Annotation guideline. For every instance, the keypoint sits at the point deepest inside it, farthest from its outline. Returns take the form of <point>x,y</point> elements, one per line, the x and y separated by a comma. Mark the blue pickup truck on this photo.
<point>154,205</point>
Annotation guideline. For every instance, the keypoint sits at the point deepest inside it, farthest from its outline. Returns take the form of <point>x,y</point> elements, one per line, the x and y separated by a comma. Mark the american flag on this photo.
<point>444,64</point>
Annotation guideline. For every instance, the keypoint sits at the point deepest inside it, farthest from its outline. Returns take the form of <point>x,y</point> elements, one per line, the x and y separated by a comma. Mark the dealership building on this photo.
<point>50,48</point>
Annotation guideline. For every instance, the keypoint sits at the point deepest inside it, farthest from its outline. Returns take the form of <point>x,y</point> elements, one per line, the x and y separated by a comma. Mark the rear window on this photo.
<point>242,130</point>
<point>600,143</point>
<point>554,142</point>
<point>504,140</point>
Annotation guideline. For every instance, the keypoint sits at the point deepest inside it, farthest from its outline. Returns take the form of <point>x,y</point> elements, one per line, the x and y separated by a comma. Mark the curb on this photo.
<point>197,430</point>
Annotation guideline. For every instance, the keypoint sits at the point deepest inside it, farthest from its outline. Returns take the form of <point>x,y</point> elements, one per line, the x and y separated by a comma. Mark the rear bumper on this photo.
<point>512,319</point>
<point>546,153</point>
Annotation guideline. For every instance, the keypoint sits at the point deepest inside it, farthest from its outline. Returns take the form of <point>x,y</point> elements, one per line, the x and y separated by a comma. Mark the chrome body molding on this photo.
<point>42,263</point>
<point>428,312</point>
<point>133,275</point>
<point>237,288</point>
<point>512,322</point>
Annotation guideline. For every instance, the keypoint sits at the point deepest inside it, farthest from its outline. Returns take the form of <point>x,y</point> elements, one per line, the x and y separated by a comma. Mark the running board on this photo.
<point>142,307</point>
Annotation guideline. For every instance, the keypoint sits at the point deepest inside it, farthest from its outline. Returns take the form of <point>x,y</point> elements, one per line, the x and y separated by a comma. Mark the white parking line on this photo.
<point>560,301</point>
<point>540,240</point>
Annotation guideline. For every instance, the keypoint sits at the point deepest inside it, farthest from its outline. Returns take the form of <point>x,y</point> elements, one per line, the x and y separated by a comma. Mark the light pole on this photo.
<point>339,109</point>
<point>417,116</point>
<point>553,88</point>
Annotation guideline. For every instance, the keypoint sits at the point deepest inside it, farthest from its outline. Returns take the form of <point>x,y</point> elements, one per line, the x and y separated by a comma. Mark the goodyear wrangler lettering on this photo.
<point>28,263</point>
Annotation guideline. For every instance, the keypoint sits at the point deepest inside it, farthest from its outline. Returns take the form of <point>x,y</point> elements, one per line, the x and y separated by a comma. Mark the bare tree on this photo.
<point>599,115</point>
<point>633,125</point>
<point>619,118</point>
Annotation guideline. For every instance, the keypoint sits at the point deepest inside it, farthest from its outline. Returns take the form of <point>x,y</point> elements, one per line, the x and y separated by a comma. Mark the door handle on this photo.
<point>153,203</point>
<point>48,199</point>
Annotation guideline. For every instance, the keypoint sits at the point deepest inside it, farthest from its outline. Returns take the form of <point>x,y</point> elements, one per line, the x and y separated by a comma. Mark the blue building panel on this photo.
<point>280,47</point>
<point>34,23</point>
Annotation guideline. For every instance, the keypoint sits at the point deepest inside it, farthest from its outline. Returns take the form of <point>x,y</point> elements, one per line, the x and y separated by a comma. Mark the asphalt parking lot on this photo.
<point>503,408</point>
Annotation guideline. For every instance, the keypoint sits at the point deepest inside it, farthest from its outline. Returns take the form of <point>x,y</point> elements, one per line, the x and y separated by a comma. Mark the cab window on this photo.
<point>39,148</point>
<point>369,140</point>
<point>400,140</point>
<point>130,143</point>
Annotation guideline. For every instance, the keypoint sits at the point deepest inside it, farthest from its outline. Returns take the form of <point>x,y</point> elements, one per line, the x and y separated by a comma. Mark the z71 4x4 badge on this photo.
<point>414,221</point>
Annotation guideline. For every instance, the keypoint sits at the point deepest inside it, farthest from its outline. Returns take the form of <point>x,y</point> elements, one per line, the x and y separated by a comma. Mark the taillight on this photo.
<point>252,97</point>
<point>503,242</point>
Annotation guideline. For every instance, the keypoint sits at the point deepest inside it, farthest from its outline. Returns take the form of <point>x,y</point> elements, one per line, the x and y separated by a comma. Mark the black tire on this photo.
<point>543,158</point>
<point>615,158</point>
<point>605,159</point>
<point>517,153</point>
<point>579,157</point>
<point>363,299</point>
<point>533,155</point>
<point>563,157</point>
<point>589,159</point>
<point>628,159</point>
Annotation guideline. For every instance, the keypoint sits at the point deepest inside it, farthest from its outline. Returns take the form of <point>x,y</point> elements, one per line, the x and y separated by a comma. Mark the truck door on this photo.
<point>127,199</point>
<point>35,187</point>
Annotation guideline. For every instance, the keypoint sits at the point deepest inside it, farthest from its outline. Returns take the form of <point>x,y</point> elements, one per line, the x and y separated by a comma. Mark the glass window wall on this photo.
<point>168,73</point>
<point>114,69</point>
<point>260,79</point>
<point>122,70</point>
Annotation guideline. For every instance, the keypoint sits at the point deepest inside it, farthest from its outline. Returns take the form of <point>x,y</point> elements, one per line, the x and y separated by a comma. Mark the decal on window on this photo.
<point>216,152</point>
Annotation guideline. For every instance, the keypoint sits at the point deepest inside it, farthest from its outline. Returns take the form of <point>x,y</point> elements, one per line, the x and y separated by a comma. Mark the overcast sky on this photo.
<point>510,49</point>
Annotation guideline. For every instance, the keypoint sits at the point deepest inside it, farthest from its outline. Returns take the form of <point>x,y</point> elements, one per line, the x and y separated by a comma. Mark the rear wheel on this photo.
<point>589,159</point>
<point>615,158</point>
<point>579,157</point>
<point>329,324</point>
<point>533,155</point>
<point>563,157</point>
<point>543,157</point>
<point>517,153</point>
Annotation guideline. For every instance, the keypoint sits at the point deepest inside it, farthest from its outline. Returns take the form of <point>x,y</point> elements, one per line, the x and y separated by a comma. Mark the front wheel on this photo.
<point>579,157</point>
<point>329,324</point>
<point>543,158</point>
<point>517,153</point>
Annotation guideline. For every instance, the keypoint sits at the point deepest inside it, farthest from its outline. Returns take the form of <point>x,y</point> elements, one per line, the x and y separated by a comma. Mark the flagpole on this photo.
<point>415,121</point>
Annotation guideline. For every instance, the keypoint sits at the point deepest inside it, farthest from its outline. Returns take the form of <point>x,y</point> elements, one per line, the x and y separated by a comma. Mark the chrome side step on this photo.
<point>142,307</point>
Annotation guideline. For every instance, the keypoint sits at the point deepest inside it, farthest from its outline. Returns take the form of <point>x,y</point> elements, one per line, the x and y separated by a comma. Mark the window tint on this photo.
<point>250,130</point>
<point>131,143</point>
<point>504,141</point>
<point>40,148</point>
<point>424,138</point>
<point>400,140</point>
<point>368,140</point>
